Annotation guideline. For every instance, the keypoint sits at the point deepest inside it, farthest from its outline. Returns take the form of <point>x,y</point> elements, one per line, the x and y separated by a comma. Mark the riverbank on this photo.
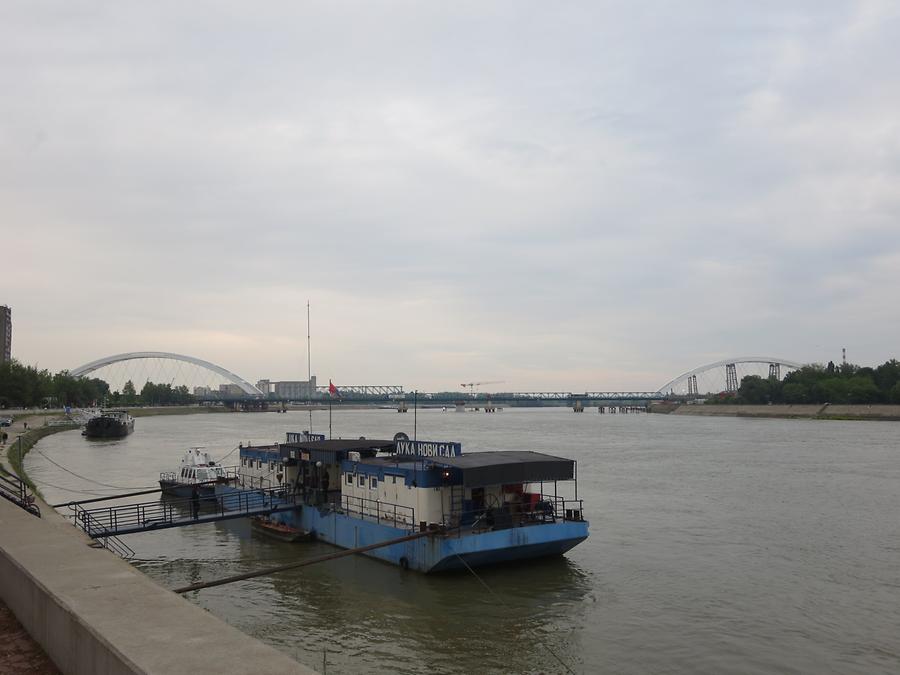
<point>816,411</point>
<point>44,423</point>
<point>92,612</point>
<point>88,610</point>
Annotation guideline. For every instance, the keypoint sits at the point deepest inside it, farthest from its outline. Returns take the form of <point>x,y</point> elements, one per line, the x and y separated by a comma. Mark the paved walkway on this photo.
<point>95,613</point>
<point>19,653</point>
<point>32,420</point>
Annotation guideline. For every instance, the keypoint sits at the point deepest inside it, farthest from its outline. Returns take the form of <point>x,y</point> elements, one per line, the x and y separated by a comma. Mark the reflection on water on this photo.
<point>374,617</point>
<point>717,545</point>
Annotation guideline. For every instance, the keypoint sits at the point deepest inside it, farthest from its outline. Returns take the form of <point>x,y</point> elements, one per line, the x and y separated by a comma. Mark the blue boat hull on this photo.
<point>439,553</point>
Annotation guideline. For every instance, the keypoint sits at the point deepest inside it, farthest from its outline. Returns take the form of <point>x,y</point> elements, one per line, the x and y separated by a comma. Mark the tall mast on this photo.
<point>308,369</point>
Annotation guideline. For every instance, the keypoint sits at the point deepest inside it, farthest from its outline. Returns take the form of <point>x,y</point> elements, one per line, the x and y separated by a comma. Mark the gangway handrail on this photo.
<point>109,541</point>
<point>104,499</point>
<point>143,516</point>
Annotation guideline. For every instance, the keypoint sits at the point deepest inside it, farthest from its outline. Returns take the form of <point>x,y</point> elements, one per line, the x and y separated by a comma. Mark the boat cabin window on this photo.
<point>373,484</point>
<point>271,466</point>
<point>362,481</point>
<point>349,479</point>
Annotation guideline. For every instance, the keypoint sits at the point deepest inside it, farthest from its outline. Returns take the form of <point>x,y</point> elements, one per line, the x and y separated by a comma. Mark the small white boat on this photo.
<point>198,472</point>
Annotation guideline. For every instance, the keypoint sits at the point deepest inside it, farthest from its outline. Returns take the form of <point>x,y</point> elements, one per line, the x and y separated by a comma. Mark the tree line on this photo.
<point>28,387</point>
<point>815,383</point>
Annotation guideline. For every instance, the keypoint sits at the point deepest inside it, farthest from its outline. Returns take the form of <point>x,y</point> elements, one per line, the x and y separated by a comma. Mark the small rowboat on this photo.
<point>279,531</point>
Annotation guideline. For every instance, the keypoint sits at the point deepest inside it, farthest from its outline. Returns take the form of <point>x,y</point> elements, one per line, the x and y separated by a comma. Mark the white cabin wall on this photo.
<point>432,504</point>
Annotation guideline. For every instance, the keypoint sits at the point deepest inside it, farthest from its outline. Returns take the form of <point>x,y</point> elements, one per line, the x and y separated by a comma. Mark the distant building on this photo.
<point>298,390</point>
<point>265,386</point>
<point>202,391</point>
<point>5,333</point>
<point>230,390</point>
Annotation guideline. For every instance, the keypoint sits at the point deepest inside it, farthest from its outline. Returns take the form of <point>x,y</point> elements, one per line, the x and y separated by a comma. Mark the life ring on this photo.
<point>404,563</point>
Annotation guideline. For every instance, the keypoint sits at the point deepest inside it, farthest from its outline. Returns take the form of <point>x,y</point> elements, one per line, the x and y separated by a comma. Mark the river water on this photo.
<point>718,545</point>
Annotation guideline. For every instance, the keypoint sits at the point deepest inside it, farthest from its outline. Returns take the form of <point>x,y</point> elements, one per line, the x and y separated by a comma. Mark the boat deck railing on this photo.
<point>384,513</point>
<point>249,482</point>
<point>232,475</point>
<point>541,509</point>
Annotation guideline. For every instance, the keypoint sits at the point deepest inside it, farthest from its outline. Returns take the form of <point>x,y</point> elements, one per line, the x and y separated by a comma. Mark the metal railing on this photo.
<point>15,490</point>
<point>109,541</point>
<point>542,509</point>
<point>232,475</point>
<point>384,513</point>
<point>249,482</point>
<point>168,512</point>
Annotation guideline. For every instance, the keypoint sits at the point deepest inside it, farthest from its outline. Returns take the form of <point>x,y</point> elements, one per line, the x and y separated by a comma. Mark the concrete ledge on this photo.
<point>94,614</point>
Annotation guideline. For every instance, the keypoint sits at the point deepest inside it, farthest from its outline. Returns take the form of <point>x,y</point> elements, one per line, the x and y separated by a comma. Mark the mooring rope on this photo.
<point>500,600</point>
<point>89,480</point>
<point>302,563</point>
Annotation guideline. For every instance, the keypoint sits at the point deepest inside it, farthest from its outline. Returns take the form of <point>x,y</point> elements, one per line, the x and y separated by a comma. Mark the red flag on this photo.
<point>332,390</point>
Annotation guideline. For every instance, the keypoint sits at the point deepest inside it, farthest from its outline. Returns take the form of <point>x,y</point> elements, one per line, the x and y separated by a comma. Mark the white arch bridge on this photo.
<point>247,388</point>
<point>709,378</point>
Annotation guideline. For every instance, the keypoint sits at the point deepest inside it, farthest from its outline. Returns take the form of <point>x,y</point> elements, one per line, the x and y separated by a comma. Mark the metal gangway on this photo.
<point>120,519</point>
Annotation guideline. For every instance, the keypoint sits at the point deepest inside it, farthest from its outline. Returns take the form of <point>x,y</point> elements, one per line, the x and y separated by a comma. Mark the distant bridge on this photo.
<point>245,386</point>
<point>689,384</point>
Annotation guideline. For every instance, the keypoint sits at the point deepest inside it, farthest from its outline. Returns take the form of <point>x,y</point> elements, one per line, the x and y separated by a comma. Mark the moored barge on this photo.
<point>109,424</point>
<point>483,507</point>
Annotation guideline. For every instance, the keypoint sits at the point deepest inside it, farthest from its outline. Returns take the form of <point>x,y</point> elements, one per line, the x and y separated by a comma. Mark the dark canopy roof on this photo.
<point>344,444</point>
<point>332,451</point>
<point>511,466</point>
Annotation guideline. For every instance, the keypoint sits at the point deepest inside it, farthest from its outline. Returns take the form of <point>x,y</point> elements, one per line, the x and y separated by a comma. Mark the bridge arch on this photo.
<point>762,360</point>
<point>245,386</point>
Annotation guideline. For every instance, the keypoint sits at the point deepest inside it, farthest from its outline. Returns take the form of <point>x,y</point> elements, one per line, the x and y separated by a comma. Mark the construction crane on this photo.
<point>471,385</point>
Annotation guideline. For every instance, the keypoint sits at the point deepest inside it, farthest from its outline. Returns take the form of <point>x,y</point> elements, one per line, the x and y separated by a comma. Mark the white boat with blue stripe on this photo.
<point>482,508</point>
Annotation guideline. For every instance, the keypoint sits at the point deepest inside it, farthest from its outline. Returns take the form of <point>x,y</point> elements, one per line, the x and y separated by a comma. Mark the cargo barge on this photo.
<point>484,507</point>
<point>109,424</point>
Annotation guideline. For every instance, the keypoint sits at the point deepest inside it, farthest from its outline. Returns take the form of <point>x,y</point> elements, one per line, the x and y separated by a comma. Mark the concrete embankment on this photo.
<point>816,411</point>
<point>94,614</point>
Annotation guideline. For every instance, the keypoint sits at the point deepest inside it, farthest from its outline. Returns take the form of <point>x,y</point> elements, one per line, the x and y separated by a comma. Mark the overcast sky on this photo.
<point>579,195</point>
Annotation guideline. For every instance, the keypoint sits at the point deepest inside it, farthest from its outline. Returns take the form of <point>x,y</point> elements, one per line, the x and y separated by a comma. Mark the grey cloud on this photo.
<point>627,187</point>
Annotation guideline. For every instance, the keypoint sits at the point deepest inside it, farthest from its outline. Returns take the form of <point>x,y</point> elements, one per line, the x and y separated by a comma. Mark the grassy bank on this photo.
<point>817,411</point>
<point>17,449</point>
